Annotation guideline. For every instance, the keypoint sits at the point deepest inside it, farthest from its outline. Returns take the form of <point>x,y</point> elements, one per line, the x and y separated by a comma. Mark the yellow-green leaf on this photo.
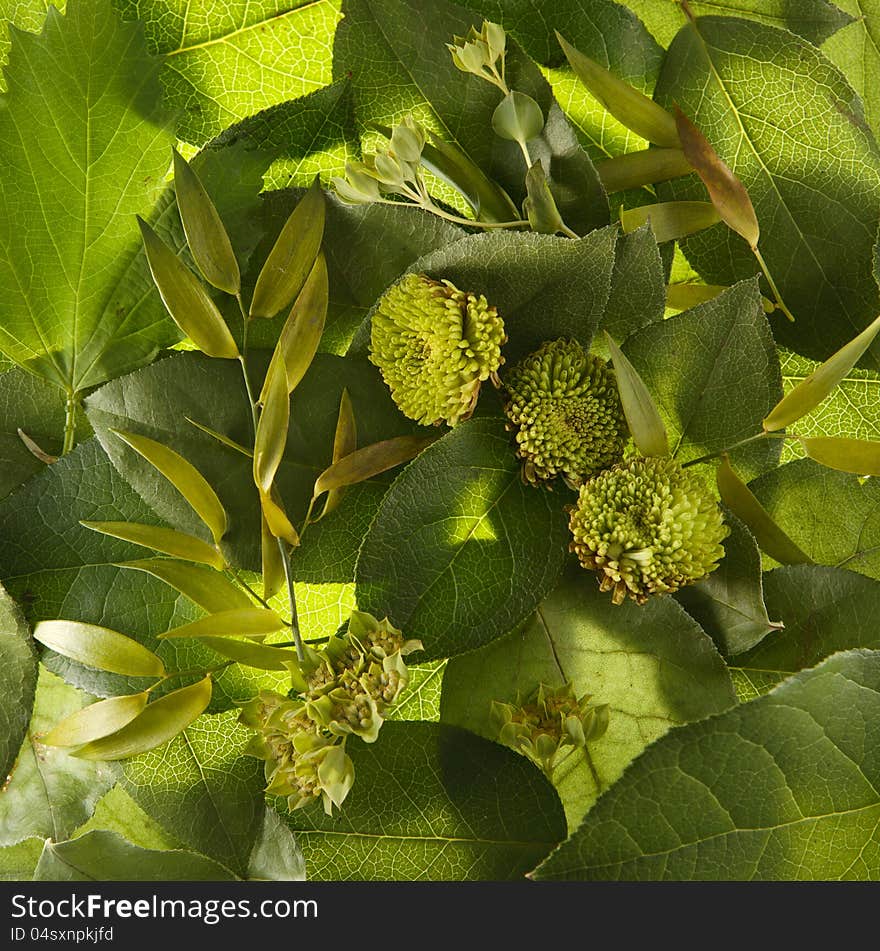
<point>240,622</point>
<point>271,437</point>
<point>860,456</point>
<point>99,647</point>
<point>96,720</point>
<point>276,519</point>
<point>810,392</point>
<point>370,461</point>
<point>642,415</point>
<point>159,722</point>
<point>539,205</point>
<point>646,167</point>
<point>738,497</point>
<point>166,540</point>
<point>291,258</point>
<point>208,588</point>
<point>186,300</point>
<point>271,563</point>
<point>344,443</point>
<point>671,220</point>
<point>208,241</point>
<point>629,106</point>
<point>251,654</point>
<point>184,476</point>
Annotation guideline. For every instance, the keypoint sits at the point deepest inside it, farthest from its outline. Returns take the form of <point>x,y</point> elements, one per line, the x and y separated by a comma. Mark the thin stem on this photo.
<point>737,445</point>
<point>780,303</point>
<point>235,574</point>
<point>191,671</point>
<point>525,151</point>
<point>434,210</point>
<point>294,617</point>
<point>70,422</point>
<point>241,360</point>
<point>568,232</point>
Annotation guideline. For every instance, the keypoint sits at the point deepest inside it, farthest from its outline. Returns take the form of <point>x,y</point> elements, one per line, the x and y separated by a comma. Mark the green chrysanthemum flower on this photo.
<point>435,345</point>
<point>647,526</point>
<point>565,409</point>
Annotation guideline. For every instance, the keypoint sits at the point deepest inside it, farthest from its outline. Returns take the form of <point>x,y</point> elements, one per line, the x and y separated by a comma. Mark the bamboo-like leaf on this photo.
<point>184,476</point>
<point>728,194</point>
<point>209,589</point>
<point>637,169</point>
<point>540,205</point>
<point>160,721</point>
<point>629,106</point>
<point>96,720</point>
<point>370,461</point>
<point>344,443</point>
<point>271,436</point>
<point>208,241</point>
<point>303,328</point>
<point>99,647</point>
<point>276,519</point>
<point>186,300</point>
<point>250,653</point>
<point>860,456</point>
<point>738,497</point>
<point>35,449</point>
<point>244,622</point>
<point>642,415</point>
<point>291,259</point>
<point>810,392</point>
<point>166,540</point>
<point>671,220</point>
<point>271,563</point>
<point>223,440</point>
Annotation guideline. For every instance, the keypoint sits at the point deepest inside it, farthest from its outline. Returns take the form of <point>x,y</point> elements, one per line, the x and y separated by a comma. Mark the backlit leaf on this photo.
<point>99,647</point>
<point>96,720</point>
<point>166,540</point>
<point>244,622</point>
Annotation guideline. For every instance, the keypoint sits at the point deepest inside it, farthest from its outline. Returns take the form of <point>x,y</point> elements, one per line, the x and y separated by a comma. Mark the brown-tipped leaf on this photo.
<point>184,476</point>
<point>272,565</point>
<point>291,258</point>
<point>810,392</point>
<point>209,589</point>
<point>737,496</point>
<point>642,415</point>
<point>208,241</point>
<point>99,647</point>
<point>629,106</point>
<point>728,194</point>
<point>671,220</point>
<point>344,443</point>
<point>370,461</point>
<point>160,721</point>
<point>860,456</point>
<point>250,653</point>
<point>186,300</point>
<point>271,437</point>
<point>637,169</point>
<point>166,540</point>
<point>96,720</point>
<point>245,622</point>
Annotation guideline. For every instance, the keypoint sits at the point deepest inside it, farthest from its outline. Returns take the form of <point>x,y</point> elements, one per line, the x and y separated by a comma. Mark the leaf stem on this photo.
<point>455,219</point>
<point>294,617</point>
<point>70,408</point>
<point>235,574</point>
<point>737,445</point>
<point>190,671</point>
<point>780,303</point>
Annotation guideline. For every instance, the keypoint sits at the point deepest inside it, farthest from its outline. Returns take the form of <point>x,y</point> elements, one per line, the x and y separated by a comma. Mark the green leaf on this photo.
<point>370,461</point>
<point>647,429</point>
<point>729,603</point>
<point>808,810</point>
<point>83,146</point>
<point>304,327</point>
<point>106,857</point>
<point>847,455</point>
<point>276,856</point>
<point>209,589</point>
<point>96,721</point>
<point>651,663</point>
<point>399,64</point>
<point>713,373</point>
<point>166,540</point>
<point>461,550</point>
<point>50,793</point>
<point>270,439</point>
<point>18,681</point>
<point>17,862</point>
<point>117,812</point>
<point>344,443</point>
<point>260,656</point>
<point>671,220</point>
<point>462,808</point>
<point>204,790</point>
<point>517,117</point>
<point>99,647</point>
<point>638,286</point>
<point>246,622</point>
<point>813,174</point>
<point>421,700</point>
<point>856,50</point>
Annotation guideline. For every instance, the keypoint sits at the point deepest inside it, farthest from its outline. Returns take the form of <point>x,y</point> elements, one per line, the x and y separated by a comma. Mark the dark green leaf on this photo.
<point>18,681</point>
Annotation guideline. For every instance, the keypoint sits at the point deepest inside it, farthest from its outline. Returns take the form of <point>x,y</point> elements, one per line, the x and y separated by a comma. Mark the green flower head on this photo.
<point>563,405</point>
<point>648,527</point>
<point>435,345</point>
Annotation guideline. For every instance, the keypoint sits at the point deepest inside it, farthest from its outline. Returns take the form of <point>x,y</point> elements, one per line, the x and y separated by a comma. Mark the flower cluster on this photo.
<point>564,407</point>
<point>647,526</point>
<point>345,689</point>
<point>435,345</point>
<point>552,721</point>
<point>481,54</point>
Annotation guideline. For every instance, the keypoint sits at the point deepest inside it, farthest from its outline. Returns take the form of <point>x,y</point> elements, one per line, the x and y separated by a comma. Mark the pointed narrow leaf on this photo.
<point>271,436</point>
<point>737,496</point>
<point>96,720</point>
<point>244,622</point>
<point>99,647</point>
<point>35,449</point>
<point>184,476</point>
<point>370,461</point>
<point>642,168</point>
<point>186,300</point>
<point>810,392</point>
<point>160,721</point>
<point>223,440</point>
<point>272,566</point>
<point>860,456</point>
<point>292,256</point>
<point>276,519</point>
<point>540,205</point>
<point>728,194</point>
<point>344,443</point>
<point>208,241</point>
<point>209,589</point>
<point>642,416</point>
<point>166,540</point>
<point>671,220</point>
<point>250,653</point>
<point>631,107</point>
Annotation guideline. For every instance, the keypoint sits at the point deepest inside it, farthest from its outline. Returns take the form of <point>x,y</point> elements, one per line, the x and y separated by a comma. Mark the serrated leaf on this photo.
<point>162,720</point>
<point>244,622</point>
<point>96,720</point>
<point>460,506</point>
<point>671,220</point>
<point>209,589</point>
<point>642,417</point>
<point>166,540</point>
<point>808,811</point>
<point>464,809</point>
<point>18,680</point>
<point>652,664</point>
<point>82,149</point>
<point>99,647</point>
